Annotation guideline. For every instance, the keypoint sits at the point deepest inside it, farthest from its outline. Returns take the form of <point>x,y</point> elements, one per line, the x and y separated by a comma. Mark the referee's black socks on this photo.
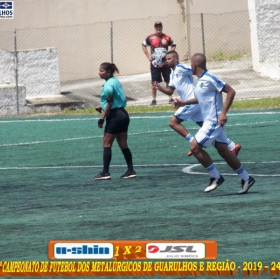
<point>128,158</point>
<point>107,155</point>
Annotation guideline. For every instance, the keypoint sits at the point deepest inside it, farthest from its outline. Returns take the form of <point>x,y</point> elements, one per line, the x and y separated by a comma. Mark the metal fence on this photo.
<point>224,38</point>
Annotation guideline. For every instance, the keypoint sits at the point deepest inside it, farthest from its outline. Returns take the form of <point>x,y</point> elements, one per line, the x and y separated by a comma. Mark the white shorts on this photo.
<point>209,133</point>
<point>189,112</point>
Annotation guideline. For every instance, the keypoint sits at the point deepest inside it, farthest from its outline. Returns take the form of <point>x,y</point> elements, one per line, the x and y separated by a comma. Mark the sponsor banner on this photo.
<point>175,250</point>
<point>132,249</point>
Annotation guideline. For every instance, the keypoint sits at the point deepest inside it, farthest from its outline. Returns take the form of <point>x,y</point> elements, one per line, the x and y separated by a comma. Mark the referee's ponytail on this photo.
<point>107,66</point>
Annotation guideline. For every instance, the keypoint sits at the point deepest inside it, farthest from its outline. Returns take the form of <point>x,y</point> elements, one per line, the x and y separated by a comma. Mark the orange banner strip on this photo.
<point>136,249</point>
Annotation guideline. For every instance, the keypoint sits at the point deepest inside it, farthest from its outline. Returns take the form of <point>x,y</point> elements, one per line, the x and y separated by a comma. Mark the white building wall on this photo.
<point>265,39</point>
<point>46,13</point>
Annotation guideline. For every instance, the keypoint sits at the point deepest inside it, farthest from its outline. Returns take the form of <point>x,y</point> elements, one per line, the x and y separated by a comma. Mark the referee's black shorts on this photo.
<point>158,73</point>
<point>117,121</point>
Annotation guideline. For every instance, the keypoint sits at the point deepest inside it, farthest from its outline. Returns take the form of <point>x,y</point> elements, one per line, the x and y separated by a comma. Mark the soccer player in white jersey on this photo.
<point>208,90</point>
<point>181,79</point>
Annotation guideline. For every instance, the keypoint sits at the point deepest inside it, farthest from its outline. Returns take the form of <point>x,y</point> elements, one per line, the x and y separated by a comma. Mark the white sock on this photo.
<point>231,144</point>
<point>242,173</point>
<point>189,137</point>
<point>213,172</point>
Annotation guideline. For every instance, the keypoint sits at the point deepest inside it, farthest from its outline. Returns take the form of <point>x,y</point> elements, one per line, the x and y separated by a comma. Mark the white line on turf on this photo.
<point>130,134</point>
<point>188,169</point>
<point>88,166</point>
<point>95,118</point>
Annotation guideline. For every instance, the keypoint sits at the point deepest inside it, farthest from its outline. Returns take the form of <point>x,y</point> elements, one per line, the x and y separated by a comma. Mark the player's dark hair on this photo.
<point>107,66</point>
<point>173,53</point>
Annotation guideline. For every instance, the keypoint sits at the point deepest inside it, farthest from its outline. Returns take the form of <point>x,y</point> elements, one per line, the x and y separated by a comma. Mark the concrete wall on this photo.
<point>12,100</point>
<point>46,13</point>
<point>215,6</point>
<point>265,39</point>
<point>38,76</point>
<point>7,69</point>
<point>80,30</point>
<point>38,70</point>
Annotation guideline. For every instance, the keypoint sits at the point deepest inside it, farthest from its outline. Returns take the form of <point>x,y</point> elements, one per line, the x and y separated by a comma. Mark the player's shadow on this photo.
<point>236,194</point>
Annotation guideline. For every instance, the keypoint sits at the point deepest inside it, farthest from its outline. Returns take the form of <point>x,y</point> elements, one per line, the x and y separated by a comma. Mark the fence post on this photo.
<point>202,32</point>
<point>112,50</point>
<point>16,68</point>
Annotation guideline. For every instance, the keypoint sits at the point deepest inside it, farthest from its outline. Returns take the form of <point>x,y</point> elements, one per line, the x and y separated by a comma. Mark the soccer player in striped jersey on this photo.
<point>208,90</point>
<point>181,79</point>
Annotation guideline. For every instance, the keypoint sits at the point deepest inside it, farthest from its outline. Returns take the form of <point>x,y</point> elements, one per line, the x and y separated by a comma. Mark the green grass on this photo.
<point>254,104</point>
<point>219,55</point>
<point>263,103</point>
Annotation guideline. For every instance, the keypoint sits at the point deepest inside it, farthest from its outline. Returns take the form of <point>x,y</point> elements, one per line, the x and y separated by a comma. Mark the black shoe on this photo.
<point>102,176</point>
<point>128,174</point>
<point>214,183</point>
<point>246,185</point>
<point>153,102</point>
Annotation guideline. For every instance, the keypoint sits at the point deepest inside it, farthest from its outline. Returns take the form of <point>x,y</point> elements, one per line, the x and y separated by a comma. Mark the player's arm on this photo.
<point>105,113</point>
<point>229,99</point>
<point>167,90</point>
<point>180,103</point>
<point>173,45</point>
<point>109,103</point>
<point>145,50</point>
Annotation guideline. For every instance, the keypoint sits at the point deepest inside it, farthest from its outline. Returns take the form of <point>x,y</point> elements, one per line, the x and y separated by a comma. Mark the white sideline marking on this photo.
<point>129,134</point>
<point>132,117</point>
<point>188,169</point>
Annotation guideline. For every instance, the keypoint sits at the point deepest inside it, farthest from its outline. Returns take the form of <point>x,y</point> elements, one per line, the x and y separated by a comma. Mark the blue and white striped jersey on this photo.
<point>181,79</point>
<point>208,90</point>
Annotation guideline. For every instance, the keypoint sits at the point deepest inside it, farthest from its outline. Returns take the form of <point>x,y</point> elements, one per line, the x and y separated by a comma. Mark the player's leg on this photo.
<point>122,142</point>
<point>204,138</point>
<point>246,180</point>
<point>235,148</point>
<point>110,132</point>
<point>156,77</point>
<point>196,116</point>
<point>165,71</point>
<point>175,124</point>
<point>183,114</point>
<point>108,140</point>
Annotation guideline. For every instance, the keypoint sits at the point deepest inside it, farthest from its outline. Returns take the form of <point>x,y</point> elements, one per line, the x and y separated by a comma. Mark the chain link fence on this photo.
<point>80,49</point>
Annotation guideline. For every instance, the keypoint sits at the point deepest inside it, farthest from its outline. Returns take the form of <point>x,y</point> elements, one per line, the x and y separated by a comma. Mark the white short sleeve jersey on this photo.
<point>208,90</point>
<point>181,79</point>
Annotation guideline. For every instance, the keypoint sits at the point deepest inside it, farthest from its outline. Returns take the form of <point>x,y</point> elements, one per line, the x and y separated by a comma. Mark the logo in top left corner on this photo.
<point>7,10</point>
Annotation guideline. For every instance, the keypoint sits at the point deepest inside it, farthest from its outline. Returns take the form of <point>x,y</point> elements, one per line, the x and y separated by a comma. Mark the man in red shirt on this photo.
<point>159,43</point>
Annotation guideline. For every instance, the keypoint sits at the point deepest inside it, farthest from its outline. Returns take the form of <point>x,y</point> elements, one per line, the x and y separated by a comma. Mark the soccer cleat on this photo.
<point>153,102</point>
<point>128,174</point>
<point>189,153</point>
<point>246,185</point>
<point>236,149</point>
<point>171,101</point>
<point>214,183</point>
<point>102,176</point>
